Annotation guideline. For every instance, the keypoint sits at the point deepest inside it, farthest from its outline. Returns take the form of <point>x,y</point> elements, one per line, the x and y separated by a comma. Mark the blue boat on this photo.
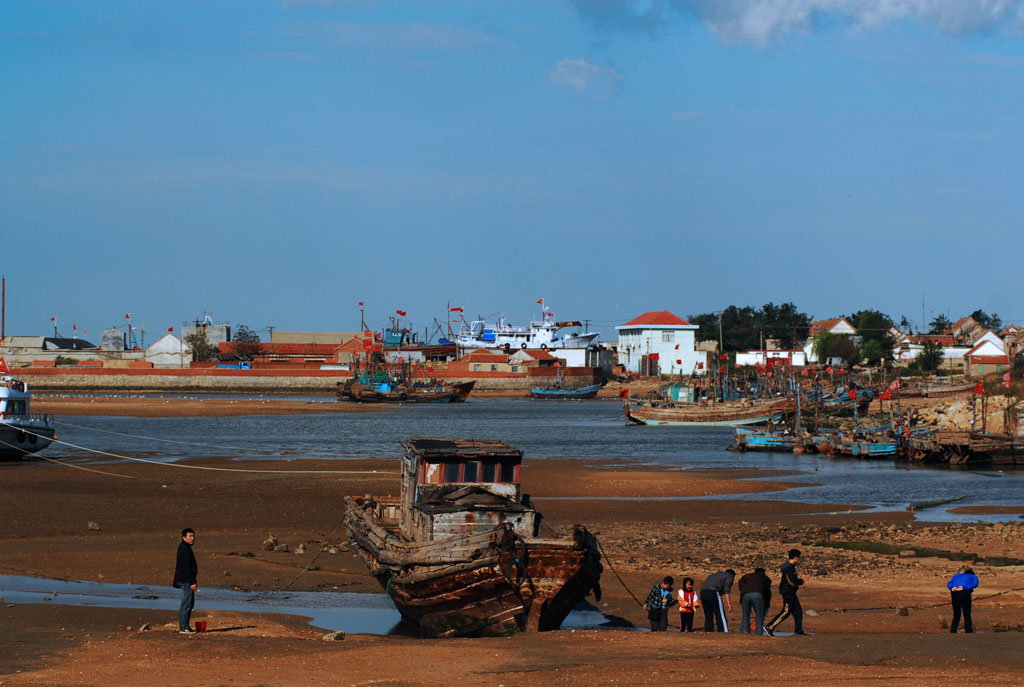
<point>570,393</point>
<point>764,440</point>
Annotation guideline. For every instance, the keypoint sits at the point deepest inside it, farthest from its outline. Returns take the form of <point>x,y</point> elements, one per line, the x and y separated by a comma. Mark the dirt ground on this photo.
<point>874,617</point>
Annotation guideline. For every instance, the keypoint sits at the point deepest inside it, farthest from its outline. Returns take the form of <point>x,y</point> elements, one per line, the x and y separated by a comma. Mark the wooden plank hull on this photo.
<point>666,413</point>
<point>492,583</point>
<point>583,392</point>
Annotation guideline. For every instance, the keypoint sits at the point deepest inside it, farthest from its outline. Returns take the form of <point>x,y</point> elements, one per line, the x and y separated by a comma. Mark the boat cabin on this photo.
<point>454,487</point>
<point>13,398</point>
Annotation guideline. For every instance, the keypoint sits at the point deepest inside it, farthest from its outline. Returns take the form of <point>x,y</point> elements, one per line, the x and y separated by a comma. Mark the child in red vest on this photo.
<point>689,600</point>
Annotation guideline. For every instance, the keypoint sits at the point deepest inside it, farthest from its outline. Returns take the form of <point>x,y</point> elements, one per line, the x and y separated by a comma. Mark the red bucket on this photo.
<point>200,626</point>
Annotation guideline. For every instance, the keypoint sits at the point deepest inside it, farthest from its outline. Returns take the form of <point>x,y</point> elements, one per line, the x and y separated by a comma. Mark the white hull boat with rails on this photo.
<point>21,431</point>
<point>543,333</point>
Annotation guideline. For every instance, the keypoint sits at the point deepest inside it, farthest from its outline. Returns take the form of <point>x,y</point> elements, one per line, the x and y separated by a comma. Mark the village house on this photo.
<point>795,358</point>
<point>985,357</point>
<point>660,342</point>
<point>966,330</point>
<point>836,326</point>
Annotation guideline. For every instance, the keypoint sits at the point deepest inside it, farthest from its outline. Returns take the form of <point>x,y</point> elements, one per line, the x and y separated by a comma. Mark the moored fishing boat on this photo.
<point>563,393</point>
<point>22,432</point>
<point>765,439</point>
<point>728,414</point>
<point>460,551</point>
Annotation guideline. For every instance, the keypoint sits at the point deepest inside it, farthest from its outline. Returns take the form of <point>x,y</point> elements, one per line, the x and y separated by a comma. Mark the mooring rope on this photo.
<point>616,573</point>
<point>70,465</point>
<point>147,438</point>
<point>197,467</point>
<point>323,547</point>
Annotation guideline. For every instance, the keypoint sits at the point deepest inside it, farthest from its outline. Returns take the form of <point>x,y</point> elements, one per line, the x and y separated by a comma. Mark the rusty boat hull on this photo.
<point>490,583</point>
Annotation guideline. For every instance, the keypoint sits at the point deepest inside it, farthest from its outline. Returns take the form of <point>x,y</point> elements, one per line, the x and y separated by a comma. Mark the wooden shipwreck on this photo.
<point>460,552</point>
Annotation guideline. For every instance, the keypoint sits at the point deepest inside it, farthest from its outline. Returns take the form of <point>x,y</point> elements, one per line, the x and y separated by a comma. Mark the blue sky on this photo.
<point>274,163</point>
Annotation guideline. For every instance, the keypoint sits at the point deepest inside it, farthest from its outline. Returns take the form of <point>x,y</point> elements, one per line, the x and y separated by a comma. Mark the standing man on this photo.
<point>961,586</point>
<point>657,604</point>
<point>790,603</point>
<point>715,588</point>
<point>756,594</point>
<point>185,571</point>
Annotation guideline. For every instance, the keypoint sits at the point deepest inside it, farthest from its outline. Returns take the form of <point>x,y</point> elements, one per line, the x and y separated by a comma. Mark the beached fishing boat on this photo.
<point>728,414</point>
<point>460,551</point>
<point>22,432</point>
<point>560,391</point>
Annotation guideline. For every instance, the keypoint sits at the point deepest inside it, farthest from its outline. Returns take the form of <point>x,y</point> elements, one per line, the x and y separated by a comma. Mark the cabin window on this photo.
<point>16,407</point>
<point>451,472</point>
<point>487,470</point>
<point>508,472</point>
<point>469,471</point>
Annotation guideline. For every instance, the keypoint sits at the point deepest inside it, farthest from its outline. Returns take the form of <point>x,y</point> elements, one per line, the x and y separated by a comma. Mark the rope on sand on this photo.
<point>616,573</point>
<point>917,608</point>
<point>69,465</point>
<point>323,547</point>
<point>197,467</point>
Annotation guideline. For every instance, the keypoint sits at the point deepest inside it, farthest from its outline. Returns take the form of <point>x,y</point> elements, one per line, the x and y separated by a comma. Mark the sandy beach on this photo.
<point>873,616</point>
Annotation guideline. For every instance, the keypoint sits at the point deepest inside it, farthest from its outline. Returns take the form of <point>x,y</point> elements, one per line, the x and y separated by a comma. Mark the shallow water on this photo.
<point>345,611</point>
<point>587,430</point>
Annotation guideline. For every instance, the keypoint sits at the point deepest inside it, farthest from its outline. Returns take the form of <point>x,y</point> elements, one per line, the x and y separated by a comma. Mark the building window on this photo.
<point>515,368</point>
<point>476,367</point>
<point>668,337</point>
<point>494,368</point>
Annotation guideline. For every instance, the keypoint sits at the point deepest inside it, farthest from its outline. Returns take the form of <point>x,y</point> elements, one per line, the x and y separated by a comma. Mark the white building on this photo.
<point>168,351</point>
<point>795,358</point>
<point>659,342</point>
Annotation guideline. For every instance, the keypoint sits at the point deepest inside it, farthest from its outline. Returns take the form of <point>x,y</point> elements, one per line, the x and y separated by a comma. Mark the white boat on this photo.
<point>21,431</point>
<point>543,333</point>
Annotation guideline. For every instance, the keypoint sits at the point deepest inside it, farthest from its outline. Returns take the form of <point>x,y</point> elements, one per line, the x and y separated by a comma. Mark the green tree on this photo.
<point>202,349</point>
<point>993,321</point>
<point>246,343</point>
<point>939,325</point>
<point>874,326</point>
<point>872,351</point>
<point>742,328</point>
<point>930,359</point>
<point>842,346</point>
<point>822,346</point>
<point>785,322</point>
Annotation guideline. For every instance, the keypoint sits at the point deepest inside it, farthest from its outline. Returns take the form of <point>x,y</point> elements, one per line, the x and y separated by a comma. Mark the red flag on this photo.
<point>679,362</point>
<point>654,356</point>
<point>400,312</point>
<point>1006,380</point>
<point>170,329</point>
<point>541,301</point>
<point>3,367</point>
<point>53,319</point>
<point>829,369</point>
<point>721,370</point>
<point>700,366</point>
<point>895,384</point>
<point>457,310</point>
<point>128,316</point>
<point>75,327</point>
<point>360,302</point>
<point>724,356</point>
<point>805,373</point>
<point>677,347</point>
<point>885,395</point>
<point>853,394</point>
<point>624,393</point>
<point>738,366</point>
<point>980,388</point>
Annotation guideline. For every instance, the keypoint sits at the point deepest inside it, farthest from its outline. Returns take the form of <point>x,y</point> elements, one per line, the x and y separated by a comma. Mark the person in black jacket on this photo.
<point>185,572</point>
<point>756,594</point>
<point>790,603</point>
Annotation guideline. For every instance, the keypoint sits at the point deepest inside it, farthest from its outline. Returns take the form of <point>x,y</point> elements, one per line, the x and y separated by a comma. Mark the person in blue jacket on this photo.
<point>961,586</point>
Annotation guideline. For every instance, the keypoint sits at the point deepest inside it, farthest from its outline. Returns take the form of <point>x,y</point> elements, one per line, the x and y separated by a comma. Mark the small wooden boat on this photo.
<point>460,551</point>
<point>765,440</point>
<point>729,414</point>
<point>389,392</point>
<point>564,393</point>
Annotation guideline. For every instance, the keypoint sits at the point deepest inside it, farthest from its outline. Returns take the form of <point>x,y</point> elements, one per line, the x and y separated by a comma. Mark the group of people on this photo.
<point>715,599</point>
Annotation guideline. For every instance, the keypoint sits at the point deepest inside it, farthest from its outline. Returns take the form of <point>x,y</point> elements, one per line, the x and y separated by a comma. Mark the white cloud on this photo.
<point>584,76</point>
<point>766,21</point>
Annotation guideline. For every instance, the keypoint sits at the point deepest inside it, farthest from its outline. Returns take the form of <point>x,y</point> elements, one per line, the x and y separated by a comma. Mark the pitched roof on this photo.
<point>658,318</point>
<point>827,325</point>
<point>944,339</point>
<point>484,354</point>
<point>539,354</point>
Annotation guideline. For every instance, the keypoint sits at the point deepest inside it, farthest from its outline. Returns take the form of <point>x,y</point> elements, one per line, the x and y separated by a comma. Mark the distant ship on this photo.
<point>541,333</point>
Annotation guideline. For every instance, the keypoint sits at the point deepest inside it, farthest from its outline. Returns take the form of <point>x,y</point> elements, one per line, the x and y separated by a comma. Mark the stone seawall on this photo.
<point>232,381</point>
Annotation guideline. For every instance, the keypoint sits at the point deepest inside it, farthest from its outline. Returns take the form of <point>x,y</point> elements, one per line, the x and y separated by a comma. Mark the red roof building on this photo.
<point>657,318</point>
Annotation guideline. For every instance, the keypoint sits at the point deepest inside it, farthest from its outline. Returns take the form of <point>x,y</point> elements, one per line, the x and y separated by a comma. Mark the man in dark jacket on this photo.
<point>755,593</point>
<point>716,587</point>
<point>657,604</point>
<point>185,572</point>
<point>790,603</point>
